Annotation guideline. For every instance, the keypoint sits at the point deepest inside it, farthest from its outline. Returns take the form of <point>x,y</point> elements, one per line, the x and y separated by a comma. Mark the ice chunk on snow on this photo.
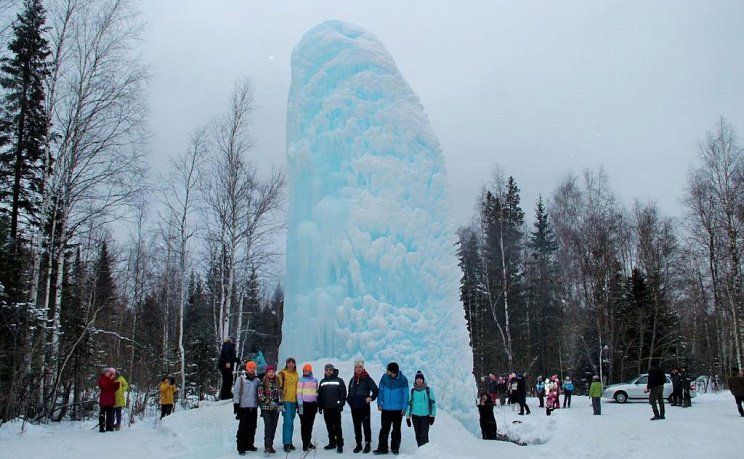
<point>371,266</point>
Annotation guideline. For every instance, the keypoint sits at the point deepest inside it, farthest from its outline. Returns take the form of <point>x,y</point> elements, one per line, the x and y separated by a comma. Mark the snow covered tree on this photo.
<point>24,124</point>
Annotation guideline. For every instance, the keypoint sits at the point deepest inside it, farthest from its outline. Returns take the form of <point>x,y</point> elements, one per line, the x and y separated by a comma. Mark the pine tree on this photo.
<point>471,295</point>
<point>541,302</point>
<point>24,125</point>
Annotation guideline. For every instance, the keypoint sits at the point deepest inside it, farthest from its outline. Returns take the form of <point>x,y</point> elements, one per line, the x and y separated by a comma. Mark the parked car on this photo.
<point>634,388</point>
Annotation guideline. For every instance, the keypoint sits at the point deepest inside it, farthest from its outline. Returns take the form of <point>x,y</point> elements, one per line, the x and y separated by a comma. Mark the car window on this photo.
<point>642,380</point>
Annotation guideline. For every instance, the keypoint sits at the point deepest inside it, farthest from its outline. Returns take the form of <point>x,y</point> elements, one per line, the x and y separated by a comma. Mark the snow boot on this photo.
<point>379,452</point>
<point>340,449</point>
<point>358,448</point>
<point>329,447</point>
<point>395,452</point>
<point>368,446</point>
<point>292,447</point>
<point>655,418</point>
<point>286,448</point>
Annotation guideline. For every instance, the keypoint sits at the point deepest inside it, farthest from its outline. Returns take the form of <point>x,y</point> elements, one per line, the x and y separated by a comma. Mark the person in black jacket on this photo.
<point>487,420</point>
<point>331,399</point>
<point>521,395</point>
<point>685,382</point>
<point>226,365</point>
<point>655,388</point>
<point>676,397</point>
<point>362,392</point>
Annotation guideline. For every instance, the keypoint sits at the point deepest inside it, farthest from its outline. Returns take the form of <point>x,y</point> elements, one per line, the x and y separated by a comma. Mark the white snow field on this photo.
<point>371,264</point>
<point>711,428</point>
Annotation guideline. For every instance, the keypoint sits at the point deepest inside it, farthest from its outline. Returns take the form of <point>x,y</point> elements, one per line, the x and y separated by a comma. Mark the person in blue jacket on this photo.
<point>392,401</point>
<point>540,390</point>
<point>568,388</point>
<point>422,407</point>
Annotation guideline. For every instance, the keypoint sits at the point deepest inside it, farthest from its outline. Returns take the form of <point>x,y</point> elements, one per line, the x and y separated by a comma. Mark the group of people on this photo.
<point>111,400</point>
<point>290,394</point>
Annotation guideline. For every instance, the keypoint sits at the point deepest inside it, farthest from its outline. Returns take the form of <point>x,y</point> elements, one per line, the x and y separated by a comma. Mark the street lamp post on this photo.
<point>601,376</point>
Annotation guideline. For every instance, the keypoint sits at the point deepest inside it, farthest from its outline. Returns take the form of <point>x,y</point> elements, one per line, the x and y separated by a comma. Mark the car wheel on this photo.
<point>621,397</point>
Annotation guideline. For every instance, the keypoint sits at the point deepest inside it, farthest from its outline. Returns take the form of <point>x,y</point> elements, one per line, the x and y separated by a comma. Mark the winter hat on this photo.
<point>359,362</point>
<point>270,368</point>
<point>419,375</point>
<point>329,366</point>
<point>393,367</point>
<point>308,368</point>
<point>250,365</point>
<point>595,377</point>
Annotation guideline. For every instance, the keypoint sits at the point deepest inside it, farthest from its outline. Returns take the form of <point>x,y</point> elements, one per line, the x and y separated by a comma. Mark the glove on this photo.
<point>299,410</point>
<point>408,422</point>
<point>235,408</point>
<point>431,420</point>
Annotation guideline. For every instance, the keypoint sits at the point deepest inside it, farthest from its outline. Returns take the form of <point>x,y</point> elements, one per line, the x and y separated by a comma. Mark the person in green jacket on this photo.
<point>595,392</point>
<point>121,400</point>
<point>422,407</point>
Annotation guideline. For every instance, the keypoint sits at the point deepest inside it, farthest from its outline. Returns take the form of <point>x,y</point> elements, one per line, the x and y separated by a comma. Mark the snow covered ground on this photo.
<point>710,428</point>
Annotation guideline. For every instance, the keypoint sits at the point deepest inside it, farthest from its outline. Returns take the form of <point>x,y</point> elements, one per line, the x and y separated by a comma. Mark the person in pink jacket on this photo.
<point>307,405</point>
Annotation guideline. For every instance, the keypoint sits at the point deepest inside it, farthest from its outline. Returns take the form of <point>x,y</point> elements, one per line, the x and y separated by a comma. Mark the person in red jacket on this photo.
<point>108,384</point>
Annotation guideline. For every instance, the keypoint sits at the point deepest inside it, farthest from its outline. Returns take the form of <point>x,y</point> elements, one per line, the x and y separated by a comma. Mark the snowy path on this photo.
<point>711,428</point>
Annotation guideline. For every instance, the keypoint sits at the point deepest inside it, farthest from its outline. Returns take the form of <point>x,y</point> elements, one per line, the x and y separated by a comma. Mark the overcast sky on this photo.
<point>541,88</point>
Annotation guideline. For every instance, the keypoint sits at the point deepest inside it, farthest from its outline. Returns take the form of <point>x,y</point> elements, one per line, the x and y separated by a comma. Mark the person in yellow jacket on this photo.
<point>121,400</point>
<point>288,378</point>
<point>168,391</point>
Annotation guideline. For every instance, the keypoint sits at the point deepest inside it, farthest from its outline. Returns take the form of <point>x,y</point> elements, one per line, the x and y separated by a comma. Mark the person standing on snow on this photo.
<point>552,400</point>
<point>422,407</point>
<point>685,380</point>
<point>595,393</point>
<point>121,399</point>
<point>540,391</point>
<point>307,405</point>
<point>226,365</point>
<point>362,392</point>
<point>676,397</point>
<point>245,407</point>
<point>167,396</point>
<point>486,418</point>
<point>392,402</point>
<point>107,399</point>
<point>736,386</point>
<point>521,394</point>
<point>331,399</point>
<point>288,378</point>
<point>568,388</point>
<point>502,389</point>
<point>655,389</point>
<point>270,401</point>
<point>492,386</point>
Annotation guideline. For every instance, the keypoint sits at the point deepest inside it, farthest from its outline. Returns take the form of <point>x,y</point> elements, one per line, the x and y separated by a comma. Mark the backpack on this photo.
<point>428,397</point>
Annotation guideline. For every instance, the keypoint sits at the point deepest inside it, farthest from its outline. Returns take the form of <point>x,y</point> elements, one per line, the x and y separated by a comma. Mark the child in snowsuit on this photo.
<point>551,392</point>
<point>487,420</point>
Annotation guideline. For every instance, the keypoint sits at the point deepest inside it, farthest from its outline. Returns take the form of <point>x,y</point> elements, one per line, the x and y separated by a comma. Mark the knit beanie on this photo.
<point>329,366</point>
<point>308,368</point>
<point>359,362</point>
<point>419,375</point>
<point>270,368</point>
<point>393,367</point>
<point>250,365</point>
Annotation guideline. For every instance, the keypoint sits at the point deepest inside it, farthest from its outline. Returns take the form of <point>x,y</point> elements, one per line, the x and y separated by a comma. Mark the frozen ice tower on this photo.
<point>371,265</point>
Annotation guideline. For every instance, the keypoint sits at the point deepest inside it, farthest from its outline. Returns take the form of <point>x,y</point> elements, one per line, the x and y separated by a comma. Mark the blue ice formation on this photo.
<point>371,265</point>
